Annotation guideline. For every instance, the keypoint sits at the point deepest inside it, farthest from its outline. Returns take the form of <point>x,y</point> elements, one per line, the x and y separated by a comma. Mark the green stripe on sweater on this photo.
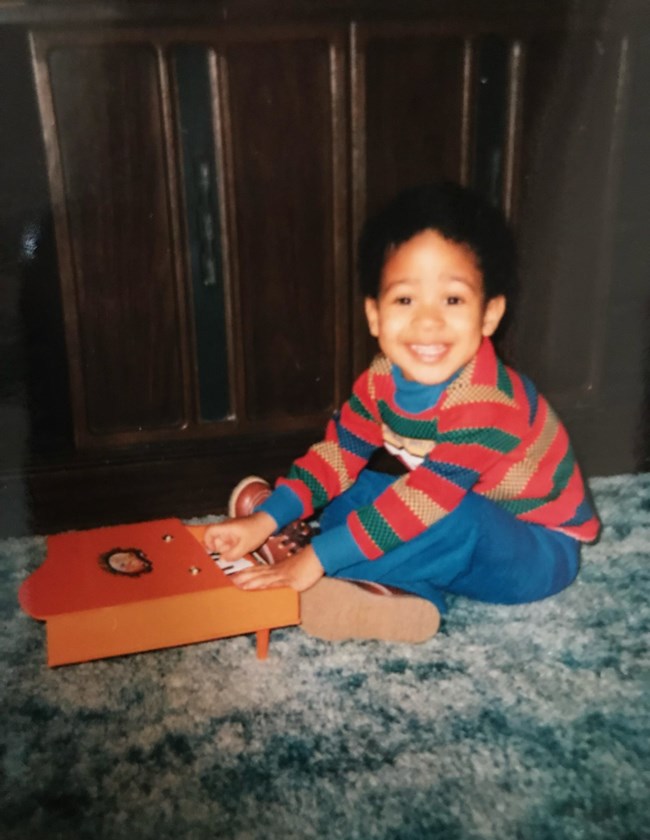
<point>561,477</point>
<point>518,506</point>
<point>489,436</point>
<point>359,408</point>
<point>417,429</point>
<point>563,473</point>
<point>318,494</point>
<point>504,383</point>
<point>377,528</point>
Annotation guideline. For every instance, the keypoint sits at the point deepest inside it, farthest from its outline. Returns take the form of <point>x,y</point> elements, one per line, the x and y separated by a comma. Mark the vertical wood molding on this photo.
<point>221,128</point>
<point>340,241</point>
<point>179,245</point>
<point>513,128</point>
<point>39,51</point>
<point>468,107</point>
<point>359,178</point>
<point>604,275</point>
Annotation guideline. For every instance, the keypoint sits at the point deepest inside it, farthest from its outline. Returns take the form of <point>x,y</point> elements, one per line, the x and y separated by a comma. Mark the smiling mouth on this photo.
<point>428,352</point>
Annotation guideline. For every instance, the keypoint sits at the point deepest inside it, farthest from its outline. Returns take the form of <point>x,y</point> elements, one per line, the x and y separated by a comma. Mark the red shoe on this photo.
<point>247,495</point>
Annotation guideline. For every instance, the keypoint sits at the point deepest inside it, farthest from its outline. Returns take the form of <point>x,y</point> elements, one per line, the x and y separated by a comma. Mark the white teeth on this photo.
<point>428,351</point>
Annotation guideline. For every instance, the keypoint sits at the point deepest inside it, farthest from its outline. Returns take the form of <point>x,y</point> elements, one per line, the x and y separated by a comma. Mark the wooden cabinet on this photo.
<point>210,166</point>
<point>107,111</point>
<point>412,102</point>
<point>199,190</point>
<point>287,139</point>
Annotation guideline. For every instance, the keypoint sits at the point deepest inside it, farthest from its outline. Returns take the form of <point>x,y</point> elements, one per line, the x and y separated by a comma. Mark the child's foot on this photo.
<point>340,609</point>
<point>247,495</point>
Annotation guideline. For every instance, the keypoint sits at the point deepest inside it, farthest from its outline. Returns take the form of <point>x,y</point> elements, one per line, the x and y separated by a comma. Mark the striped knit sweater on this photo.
<point>490,432</point>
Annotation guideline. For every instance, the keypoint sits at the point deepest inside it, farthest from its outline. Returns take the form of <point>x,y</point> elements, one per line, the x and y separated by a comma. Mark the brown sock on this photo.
<point>340,609</point>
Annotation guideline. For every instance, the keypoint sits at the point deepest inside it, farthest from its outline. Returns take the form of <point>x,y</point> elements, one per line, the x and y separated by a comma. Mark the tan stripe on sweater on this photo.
<point>332,454</point>
<point>515,480</point>
<point>419,503</point>
<point>470,394</point>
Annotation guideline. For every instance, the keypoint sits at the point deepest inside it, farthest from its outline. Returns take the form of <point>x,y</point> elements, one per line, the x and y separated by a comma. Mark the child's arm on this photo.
<point>234,538</point>
<point>331,466</point>
<point>299,572</point>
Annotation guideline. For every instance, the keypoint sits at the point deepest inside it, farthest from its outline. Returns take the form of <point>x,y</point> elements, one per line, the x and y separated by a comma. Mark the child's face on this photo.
<point>431,316</point>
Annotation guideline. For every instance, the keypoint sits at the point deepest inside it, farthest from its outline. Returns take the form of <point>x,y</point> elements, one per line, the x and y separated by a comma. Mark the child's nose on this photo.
<point>430,315</point>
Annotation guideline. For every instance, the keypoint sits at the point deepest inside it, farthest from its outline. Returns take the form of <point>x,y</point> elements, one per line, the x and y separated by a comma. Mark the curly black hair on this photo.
<point>457,213</point>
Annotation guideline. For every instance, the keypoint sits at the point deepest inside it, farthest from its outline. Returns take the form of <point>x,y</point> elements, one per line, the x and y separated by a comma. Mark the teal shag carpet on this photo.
<point>526,722</point>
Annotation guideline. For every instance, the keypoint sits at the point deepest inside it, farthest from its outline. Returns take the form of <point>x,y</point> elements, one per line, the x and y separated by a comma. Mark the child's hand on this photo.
<point>299,572</point>
<point>234,538</point>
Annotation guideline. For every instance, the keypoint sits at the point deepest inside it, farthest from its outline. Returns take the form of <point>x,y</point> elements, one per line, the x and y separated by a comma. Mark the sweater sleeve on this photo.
<point>331,466</point>
<point>425,495</point>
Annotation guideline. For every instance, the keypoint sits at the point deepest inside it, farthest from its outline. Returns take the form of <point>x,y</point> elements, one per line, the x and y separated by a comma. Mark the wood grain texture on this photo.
<point>283,105</point>
<point>107,104</point>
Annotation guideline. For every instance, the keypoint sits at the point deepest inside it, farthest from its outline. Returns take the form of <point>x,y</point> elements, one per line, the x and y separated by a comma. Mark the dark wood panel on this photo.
<point>33,369</point>
<point>573,269</point>
<point>414,127</point>
<point>284,113</point>
<point>410,110</point>
<point>570,109</point>
<point>132,487</point>
<point>502,14</point>
<point>128,337</point>
<point>625,369</point>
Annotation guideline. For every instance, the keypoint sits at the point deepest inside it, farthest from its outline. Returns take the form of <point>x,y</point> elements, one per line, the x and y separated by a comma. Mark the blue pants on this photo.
<point>478,550</point>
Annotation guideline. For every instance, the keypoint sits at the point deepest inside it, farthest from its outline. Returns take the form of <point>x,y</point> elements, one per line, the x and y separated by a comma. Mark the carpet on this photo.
<point>523,722</point>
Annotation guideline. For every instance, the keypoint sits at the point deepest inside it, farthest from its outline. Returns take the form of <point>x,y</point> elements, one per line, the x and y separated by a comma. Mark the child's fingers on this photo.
<point>217,538</point>
<point>298,572</point>
<point>211,538</point>
<point>260,577</point>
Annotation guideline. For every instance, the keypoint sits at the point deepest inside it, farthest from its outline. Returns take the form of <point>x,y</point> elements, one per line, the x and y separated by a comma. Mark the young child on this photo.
<point>445,471</point>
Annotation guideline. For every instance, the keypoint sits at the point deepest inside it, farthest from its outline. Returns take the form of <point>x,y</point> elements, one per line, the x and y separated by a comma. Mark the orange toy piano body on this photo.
<point>132,588</point>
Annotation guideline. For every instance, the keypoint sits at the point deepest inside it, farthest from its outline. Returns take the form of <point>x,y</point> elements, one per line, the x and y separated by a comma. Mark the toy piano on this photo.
<point>133,588</point>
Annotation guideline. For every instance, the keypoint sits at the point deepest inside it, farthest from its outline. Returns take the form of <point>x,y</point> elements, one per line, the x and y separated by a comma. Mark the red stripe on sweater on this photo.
<point>541,482</point>
<point>497,472</point>
<point>485,370</point>
<point>559,510</point>
<point>367,430</point>
<point>368,547</point>
<point>326,474</point>
<point>510,419</point>
<point>442,491</point>
<point>353,463</point>
<point>402,520</point>
<point>473,456</point>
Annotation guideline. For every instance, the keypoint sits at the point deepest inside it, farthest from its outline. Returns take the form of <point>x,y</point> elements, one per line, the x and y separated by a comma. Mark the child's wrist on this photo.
<point>263,524</point>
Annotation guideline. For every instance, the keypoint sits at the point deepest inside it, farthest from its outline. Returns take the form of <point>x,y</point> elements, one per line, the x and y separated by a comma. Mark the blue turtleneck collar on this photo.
<point>415,397</point>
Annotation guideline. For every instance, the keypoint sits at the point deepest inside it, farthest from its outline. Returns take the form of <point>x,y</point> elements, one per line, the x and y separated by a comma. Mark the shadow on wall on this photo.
<point>34,396</point>
<point>34,392</point>
<point>14,413</point>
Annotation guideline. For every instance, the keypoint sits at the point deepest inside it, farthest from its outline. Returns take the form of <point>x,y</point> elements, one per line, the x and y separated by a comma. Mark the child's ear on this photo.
<point>372,314</point>
<point>494,311</point>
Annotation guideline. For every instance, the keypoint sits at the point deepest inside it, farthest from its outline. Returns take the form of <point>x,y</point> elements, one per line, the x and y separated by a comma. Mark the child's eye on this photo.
<point>454,300</point>
<point>404,300</point>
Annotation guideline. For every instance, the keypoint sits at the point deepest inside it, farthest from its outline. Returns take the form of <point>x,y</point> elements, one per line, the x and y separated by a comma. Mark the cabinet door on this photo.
<point>194,172</point>
<point>412,96</point>
<point>107,128</point>
<point>412,92</point>
<point>287,170</point>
